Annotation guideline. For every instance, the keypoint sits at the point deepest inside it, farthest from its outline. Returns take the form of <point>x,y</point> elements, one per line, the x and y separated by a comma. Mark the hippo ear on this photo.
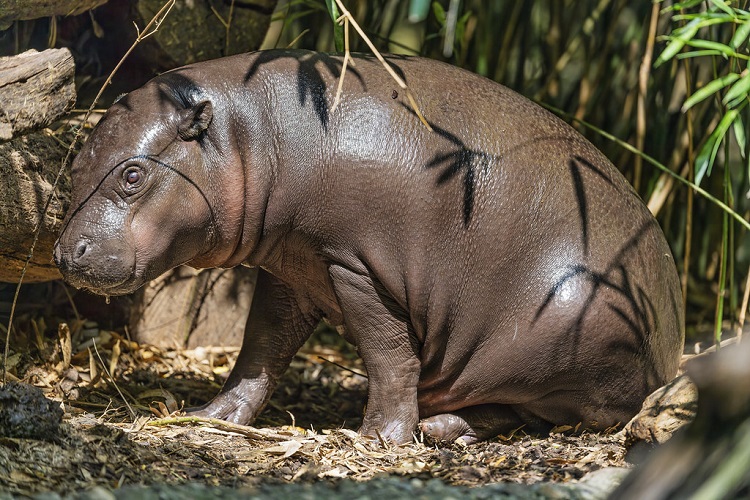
<point>195,120</point>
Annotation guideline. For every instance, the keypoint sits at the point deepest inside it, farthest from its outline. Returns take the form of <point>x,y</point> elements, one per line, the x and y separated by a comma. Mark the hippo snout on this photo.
<point>89,264</point>
<point>78,257</point>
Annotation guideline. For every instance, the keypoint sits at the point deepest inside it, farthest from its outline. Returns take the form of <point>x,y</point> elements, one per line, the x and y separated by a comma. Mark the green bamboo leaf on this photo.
<point>702,20</point>
<point>697,53</point>
<point>704,17</point>
<point>739,133</point>
<point>726,50</point>
<point>289,19</point>
<point>418,10</point>
<point>723,6</point>
<point>338,29</point>
<point>709,90</point>
<point>738,92</point>
<point>684,5</point>
<point>333,9</point>
<point>739,37</point>
<point>439,13</point>
<point>704,162</point>
<point>690,28</point>
<point>674,46</point>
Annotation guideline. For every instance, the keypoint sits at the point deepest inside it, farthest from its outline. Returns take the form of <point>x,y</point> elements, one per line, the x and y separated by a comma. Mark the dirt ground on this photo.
<point>121,425</point>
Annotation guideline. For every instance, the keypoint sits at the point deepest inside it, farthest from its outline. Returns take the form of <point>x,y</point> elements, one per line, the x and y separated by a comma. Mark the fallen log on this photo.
<point>36,88</point>
<point>711,457</point>
<point>19,10</point>
<point>28,166</point>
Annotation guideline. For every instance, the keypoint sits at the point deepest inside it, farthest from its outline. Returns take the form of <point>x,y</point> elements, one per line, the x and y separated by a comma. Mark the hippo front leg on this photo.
<point>380,329</point>
<point>277,327</point>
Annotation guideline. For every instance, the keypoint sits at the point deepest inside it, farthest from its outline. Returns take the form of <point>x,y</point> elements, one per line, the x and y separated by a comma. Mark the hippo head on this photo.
<point>141,201</point>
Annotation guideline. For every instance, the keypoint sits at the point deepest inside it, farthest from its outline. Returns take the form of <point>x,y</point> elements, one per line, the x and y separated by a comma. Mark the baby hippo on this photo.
<point>493,272</point>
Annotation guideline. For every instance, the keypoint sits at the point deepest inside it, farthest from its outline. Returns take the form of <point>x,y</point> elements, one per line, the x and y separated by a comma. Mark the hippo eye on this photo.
<point>133,177</point>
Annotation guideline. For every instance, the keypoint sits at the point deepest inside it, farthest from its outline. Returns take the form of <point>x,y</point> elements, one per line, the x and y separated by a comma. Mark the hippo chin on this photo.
<point>494,272</point>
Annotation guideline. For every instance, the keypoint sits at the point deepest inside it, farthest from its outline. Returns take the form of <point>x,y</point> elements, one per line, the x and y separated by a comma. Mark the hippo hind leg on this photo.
<point>477,423</point>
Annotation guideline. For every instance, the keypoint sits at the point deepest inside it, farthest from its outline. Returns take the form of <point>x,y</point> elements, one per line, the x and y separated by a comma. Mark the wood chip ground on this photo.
<point>122,426</point>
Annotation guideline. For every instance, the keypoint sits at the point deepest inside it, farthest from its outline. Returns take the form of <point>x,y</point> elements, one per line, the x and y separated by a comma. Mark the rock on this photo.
<point>26,413</point>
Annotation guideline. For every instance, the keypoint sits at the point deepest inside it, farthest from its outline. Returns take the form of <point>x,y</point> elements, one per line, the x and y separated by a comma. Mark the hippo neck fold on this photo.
<point>239,175</point>
<point>246,159</point>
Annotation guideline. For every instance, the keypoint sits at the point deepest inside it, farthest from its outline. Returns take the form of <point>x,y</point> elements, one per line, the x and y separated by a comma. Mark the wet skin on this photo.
<point>494,272</point>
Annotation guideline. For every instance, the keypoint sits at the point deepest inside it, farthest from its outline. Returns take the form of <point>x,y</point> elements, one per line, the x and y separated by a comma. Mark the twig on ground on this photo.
<point>111,379</point>
<point>343,367</point>
<point>245,430</point>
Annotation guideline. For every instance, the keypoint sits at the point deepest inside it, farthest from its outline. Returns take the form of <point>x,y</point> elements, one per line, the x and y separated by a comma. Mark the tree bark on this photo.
<point>217,28</point>
<point>36,88</point>
<point>28,166</point>
<point>19,10</point>
<point>186,308</point>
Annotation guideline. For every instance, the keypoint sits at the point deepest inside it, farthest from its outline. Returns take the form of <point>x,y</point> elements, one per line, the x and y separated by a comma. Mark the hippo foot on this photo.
<point>239,404</point>
<point>223,409</point>
<point>472,424</point>
<point>398,430</point>
<point>448,427</point>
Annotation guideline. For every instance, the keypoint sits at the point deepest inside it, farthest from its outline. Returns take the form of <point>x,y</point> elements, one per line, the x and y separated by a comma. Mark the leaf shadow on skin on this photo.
<point>310,81</point>
<point>470,161</point>
<point>574,166</point>
<point>453,162</point>
<point>173,88</point>
<point>635,308</point>
<point>639,313</point>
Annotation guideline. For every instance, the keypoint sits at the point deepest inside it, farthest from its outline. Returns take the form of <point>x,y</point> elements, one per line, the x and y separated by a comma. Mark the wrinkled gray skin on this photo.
<point>494,272</point>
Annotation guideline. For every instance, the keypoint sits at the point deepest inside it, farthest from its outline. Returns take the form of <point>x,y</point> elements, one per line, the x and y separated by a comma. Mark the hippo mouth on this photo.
<point>103,285</point>
<point>106,274</point>
<point>127,286</point>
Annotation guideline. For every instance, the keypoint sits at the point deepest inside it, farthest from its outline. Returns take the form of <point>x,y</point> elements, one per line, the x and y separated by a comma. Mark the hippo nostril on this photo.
<point>81,249</point>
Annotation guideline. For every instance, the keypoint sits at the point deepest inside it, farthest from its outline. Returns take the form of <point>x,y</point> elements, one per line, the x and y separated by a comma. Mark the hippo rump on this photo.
<point>493,272</point>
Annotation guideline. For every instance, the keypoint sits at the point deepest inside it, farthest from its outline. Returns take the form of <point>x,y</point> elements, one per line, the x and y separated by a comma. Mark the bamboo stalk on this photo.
<point>643,76</point>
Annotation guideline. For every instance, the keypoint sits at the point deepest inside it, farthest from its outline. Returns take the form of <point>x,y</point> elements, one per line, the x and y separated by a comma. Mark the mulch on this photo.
<point>122,425</point>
